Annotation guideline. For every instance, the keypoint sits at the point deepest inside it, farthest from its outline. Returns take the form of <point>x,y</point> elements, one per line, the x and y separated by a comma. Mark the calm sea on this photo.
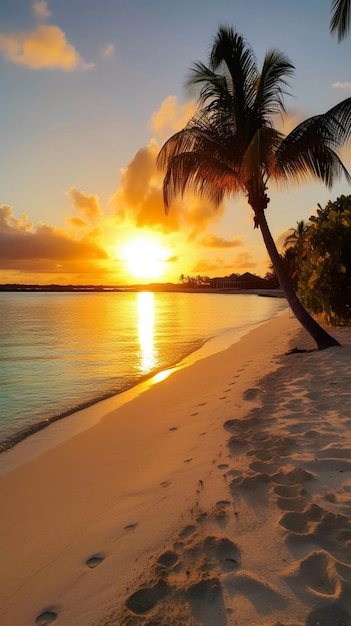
<point>62,351</point>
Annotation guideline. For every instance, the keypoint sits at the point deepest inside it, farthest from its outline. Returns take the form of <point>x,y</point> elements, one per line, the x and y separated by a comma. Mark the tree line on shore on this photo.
<point>317,258</point>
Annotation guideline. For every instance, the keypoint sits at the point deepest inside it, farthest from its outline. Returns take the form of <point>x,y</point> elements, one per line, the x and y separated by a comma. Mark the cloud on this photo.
<point>203,266</point>
<point>41,8</point>
<point>109,50</point>
<point>45,47</point>
<point>243,262</point>
<point>25,247</point>
<point>346,86</point>
<point>213,241</point>
<point>86,204</point>
<point>139,198</point>
<point>76,222</point>
<point>171,117</point>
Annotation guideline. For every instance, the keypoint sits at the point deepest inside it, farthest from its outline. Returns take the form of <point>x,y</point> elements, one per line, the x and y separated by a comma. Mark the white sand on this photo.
<point>219,496</point>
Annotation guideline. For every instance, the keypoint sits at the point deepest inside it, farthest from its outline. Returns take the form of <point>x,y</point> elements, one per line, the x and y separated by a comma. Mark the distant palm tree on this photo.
<point>296,236</point>
<point>231,146</point>
<point>341,18</point>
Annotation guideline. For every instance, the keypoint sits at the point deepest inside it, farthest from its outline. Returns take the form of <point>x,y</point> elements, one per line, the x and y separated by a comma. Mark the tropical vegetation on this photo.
<point>231,145</point>
<point>322,252</point>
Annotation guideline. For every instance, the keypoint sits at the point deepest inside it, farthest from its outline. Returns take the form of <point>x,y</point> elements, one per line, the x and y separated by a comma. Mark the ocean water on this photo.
<point>62,351</point>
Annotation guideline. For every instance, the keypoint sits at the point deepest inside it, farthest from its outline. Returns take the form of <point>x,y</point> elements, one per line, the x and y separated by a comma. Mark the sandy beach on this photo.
<point>219,495</point>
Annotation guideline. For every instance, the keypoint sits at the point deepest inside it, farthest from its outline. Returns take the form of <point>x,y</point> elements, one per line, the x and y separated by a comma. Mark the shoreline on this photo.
<point>166,505</point>
<point>31,429</point>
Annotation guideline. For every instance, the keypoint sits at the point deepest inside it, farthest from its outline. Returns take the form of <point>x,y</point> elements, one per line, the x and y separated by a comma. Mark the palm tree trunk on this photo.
<point>320,336</point>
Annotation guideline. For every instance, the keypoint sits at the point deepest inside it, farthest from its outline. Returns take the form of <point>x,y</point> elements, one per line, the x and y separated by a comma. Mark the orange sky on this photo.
<point>88,99</point>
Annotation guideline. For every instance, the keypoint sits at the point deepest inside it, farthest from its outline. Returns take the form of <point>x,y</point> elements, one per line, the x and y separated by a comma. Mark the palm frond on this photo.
<point>232,54</point>
<point>341,18</point>
<point>272,82</point>
<point>215,91</point>
<point>338,120</point>
<point>305,152</point>
<point>202,175</point>
<point>311,147</point>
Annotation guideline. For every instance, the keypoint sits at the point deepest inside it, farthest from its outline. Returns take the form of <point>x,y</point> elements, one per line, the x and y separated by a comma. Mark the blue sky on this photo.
<point>92,88</point>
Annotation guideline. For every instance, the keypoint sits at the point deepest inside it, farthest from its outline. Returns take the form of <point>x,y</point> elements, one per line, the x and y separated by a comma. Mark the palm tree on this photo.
<point>231,146</point>
<point>296,236</point>
<point>341,18</point>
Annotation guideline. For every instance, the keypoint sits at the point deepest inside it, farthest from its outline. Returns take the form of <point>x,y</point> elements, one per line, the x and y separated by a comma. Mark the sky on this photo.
<point>90,91</point>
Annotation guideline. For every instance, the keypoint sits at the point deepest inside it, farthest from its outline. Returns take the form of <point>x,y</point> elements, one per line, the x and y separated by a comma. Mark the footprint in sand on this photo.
<point>46,618</point>
<point>168,559</point>
<point>223,503</point>
<point>165,484</point>
<point>207,603</point>
<point>296,476</point>
<point>251,394</point>
<point>259,592</point>
<point>95,560</point>
<point>318,572</point>
<point>302,523</point>
<point>263,466</point>
<point>187,531</point>
<point>222,550</point>
<point>145,598</point>
<point>291,504</point>
<point>250,483</point>
<point>130,527</point>
<point>288,491</point>
<point>334,533</point>
<point>329,615</point>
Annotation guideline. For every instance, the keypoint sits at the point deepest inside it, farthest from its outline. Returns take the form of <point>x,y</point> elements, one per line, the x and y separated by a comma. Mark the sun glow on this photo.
<point>145,257</point>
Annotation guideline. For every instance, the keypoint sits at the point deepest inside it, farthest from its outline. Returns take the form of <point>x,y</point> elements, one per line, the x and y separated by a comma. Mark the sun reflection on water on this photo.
<point>146,323</point>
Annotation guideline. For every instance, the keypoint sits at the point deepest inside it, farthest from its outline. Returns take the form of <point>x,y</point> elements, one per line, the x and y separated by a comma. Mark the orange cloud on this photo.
<point>23,247</point>
<point>139,196</point>
<point>86,204</point>
<point>244,261</point>
<point>140,199</point>
<point>76,222</point>
<point>171,117</point>
<point>204,266</point>
<point>213,241</point>
<point>45,47</point>
<point>41,8</point>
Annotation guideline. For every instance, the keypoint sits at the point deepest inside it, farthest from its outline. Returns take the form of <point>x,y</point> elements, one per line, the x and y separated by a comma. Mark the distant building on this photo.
<point>245,281</point>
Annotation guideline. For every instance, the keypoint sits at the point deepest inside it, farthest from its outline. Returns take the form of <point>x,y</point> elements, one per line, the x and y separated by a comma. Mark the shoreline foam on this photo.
<point>180,499</point>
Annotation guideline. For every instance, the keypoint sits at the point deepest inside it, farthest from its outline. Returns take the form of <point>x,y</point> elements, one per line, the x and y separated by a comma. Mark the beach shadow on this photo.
<point>299,351</point>
<point>330,614</point>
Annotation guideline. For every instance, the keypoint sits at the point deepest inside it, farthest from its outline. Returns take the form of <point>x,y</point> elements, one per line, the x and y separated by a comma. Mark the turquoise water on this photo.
<point>62,351</point>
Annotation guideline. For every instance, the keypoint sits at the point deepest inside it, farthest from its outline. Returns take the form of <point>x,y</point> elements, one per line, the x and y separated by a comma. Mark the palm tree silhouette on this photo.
<point>231,146</point>
<point>341,18</point>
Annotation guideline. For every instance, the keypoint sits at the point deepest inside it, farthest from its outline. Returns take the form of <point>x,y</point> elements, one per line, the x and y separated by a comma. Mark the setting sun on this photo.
<point>145,257</point>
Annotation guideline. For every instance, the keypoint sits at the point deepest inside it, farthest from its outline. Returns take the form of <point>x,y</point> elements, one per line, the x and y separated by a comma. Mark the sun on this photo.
<point>145,257</point>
